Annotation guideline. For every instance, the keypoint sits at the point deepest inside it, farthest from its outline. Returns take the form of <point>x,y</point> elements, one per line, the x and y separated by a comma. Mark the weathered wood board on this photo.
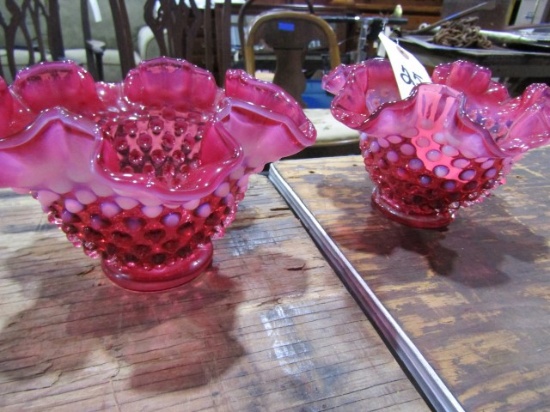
<point>269,327</point>
<point>473,299</point>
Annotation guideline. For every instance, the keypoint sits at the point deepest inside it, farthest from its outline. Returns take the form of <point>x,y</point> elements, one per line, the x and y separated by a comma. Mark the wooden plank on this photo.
<point>269,327</point>
<point>473,299</point>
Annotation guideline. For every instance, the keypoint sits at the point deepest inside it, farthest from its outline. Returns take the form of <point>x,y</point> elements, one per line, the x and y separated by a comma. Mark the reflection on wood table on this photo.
<point>474,299</point>
<point>269,327</point>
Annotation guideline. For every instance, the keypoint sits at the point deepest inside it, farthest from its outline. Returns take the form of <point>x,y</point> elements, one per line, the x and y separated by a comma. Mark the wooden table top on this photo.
<point>269,327</point>
<point>467,308</point>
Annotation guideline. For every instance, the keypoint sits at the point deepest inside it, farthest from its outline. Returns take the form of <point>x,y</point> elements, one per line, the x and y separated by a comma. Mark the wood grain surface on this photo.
<point>269,327</point>
<point>474,298</point>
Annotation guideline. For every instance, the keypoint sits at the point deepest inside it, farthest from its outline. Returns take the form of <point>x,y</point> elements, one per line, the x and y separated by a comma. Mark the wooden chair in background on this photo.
<point>171,28</point>
<point>98,54</point>
<point>32,34</point>
<point>182,30</point>
<point>291,36</point>
<point>244,10</point>
<point>94,49</point>
<point>223,52</point>
<point>198,35</point>
<point>31,31</point>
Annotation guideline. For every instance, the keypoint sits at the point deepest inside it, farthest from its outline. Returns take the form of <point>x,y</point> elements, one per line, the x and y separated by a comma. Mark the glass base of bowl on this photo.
<point>437,220</point>
<point>157,279</point>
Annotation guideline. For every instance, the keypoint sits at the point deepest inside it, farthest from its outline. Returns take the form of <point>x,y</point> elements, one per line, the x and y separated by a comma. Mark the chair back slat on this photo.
<point>223,38</point>
<point>179,29</point>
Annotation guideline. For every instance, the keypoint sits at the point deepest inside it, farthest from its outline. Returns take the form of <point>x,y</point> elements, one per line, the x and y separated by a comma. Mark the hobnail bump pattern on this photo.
<point>144,173</point>
<point>447,145</point>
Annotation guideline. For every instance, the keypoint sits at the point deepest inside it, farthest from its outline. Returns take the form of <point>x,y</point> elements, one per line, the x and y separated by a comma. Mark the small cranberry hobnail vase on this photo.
<point>447,145</point>
<point>144,173</point>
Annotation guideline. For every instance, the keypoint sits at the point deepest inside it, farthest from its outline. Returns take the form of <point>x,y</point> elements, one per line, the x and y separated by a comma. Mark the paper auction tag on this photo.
<point>94,5</point>
<point>408,71</point>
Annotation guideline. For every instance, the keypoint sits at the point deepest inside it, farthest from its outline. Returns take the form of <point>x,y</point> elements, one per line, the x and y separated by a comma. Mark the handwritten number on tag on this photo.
<point>408,71</point>
<point>413,79</point>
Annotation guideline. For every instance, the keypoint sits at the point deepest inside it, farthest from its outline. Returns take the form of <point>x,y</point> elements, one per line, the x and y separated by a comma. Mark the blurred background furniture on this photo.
<point>179,29</point>
<point>94,50</point>
<point>516,68</point>
<point>110,37</point>
<point>517,64</point>
<point>96,33</point>
<point>182,30</point>
<point>298,47</point>
<point>92,38</point>
<point>31,32</point>
<point>106,61</point>
<point>291,37</point>
<point>504,13</point>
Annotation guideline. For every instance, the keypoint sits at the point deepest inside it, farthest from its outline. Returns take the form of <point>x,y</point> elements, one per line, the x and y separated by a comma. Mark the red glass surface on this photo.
<point>447,145</point>
<point>143,174</point>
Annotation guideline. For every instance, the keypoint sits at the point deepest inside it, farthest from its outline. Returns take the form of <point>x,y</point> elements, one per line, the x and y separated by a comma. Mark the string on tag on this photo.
<point>96,12</point>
